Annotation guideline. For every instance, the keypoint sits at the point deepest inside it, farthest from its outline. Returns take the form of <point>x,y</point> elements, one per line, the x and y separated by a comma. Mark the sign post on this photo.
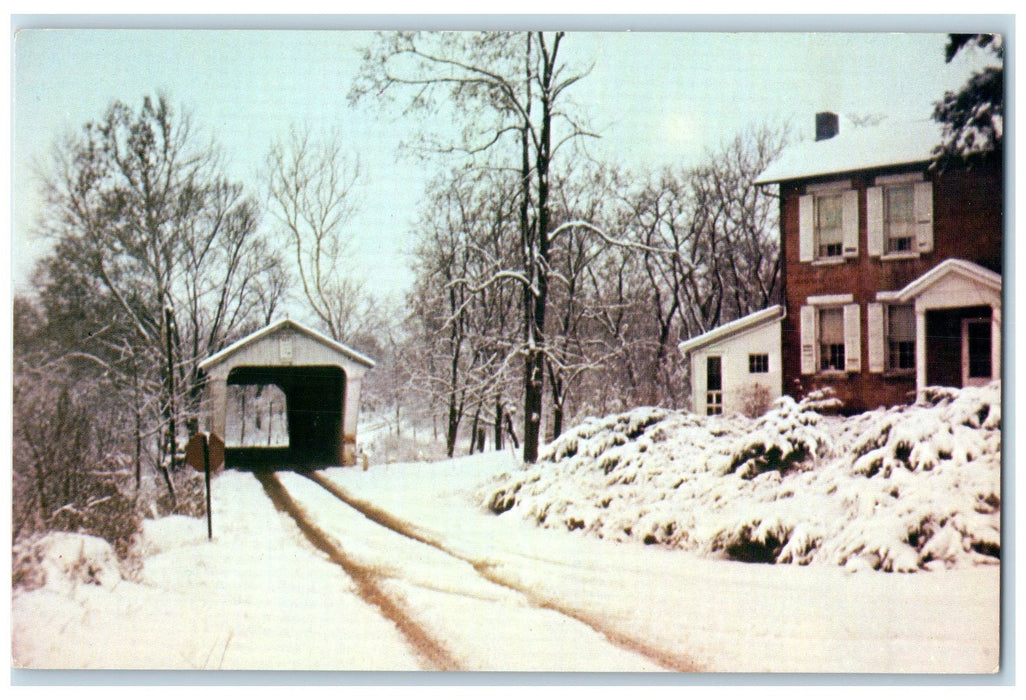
<point>205,452</point>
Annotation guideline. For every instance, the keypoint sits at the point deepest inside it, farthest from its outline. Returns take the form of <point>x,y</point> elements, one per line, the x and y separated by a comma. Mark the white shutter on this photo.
<point>922,206</point>
<point>806,224</point>
<point>807,333</point>
<point>875,336</point>
<point>852,339</point>
<point>850,223</point>
<point>874,221</point>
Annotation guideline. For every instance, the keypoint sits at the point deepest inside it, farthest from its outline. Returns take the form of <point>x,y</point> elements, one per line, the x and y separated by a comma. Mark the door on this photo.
<point>976,352</point>
<point>713,386</point>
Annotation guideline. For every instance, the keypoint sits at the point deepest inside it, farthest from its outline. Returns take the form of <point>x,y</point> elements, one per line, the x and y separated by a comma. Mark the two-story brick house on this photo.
<point>890,267</point>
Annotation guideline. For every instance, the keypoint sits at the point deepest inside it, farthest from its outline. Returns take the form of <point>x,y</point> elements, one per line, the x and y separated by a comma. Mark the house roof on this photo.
<point>220,357</point>
<point>741,325</point>
<point>890,143</point>
<point>952,266</point>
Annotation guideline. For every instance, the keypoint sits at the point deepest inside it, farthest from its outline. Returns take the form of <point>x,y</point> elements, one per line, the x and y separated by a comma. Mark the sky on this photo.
<point>657,99</point>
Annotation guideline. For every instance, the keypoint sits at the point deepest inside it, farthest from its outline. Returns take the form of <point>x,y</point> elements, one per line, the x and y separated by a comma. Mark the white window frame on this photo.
<point>809,333</point>
<point>879,336</point>
<point>808,233</point>
<point>878,238</point>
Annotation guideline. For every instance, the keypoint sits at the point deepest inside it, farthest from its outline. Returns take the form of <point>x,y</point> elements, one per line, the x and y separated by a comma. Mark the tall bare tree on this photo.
<point>146,227</point>
<point>512,90</point>
<point>311,194</point>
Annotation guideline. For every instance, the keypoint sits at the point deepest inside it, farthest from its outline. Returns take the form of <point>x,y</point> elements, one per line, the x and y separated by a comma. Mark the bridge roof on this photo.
<point>267,332</point>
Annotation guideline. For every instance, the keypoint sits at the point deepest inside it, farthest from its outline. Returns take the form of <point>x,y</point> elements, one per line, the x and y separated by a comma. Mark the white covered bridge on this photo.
<point>321,382</point>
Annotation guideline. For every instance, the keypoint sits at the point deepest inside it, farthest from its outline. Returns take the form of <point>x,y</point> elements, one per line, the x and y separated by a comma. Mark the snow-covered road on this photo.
<point>410,572</point>
<point>452,609</point>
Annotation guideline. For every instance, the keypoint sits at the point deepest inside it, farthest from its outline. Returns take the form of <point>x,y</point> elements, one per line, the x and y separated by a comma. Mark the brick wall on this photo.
<point>967,216</point>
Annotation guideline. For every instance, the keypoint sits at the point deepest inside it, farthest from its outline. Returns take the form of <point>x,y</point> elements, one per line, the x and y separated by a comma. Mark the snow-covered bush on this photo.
<point>64,559</point>
<point>784,437</point>
<point>901,489</point>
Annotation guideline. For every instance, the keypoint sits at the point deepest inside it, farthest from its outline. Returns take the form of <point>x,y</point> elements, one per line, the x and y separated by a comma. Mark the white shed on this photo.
<point>736,368</point>
<point>321,382</point>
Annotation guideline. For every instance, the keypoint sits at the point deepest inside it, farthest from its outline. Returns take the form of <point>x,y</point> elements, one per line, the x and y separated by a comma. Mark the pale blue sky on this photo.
<point>657,99</point>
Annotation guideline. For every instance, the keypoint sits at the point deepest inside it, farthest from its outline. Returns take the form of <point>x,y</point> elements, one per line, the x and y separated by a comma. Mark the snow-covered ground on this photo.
<point>488,592</point>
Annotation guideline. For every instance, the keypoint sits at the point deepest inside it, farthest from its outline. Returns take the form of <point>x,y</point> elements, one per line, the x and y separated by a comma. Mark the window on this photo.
<point>901,337</point>
<point>829,231</point>
<point>831,339</point>
<point>713,386</point>
<point>758,363</point>
<point>830,333</point>
<point>828,222</point>
<point>899,218</point>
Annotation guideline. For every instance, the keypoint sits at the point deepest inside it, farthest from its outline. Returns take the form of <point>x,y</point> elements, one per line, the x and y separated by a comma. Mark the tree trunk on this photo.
<point>498,421</point>
<point>473,430</point>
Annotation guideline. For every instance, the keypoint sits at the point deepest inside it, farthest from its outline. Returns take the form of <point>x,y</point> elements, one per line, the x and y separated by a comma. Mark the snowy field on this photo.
<point>500,593</point>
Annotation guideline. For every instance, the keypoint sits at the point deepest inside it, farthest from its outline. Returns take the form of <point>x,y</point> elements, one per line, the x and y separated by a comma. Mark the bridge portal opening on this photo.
<point>303,408</point>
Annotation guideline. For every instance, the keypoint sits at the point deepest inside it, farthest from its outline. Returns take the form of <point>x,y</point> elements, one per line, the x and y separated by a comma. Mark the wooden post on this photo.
<point>206,472</point>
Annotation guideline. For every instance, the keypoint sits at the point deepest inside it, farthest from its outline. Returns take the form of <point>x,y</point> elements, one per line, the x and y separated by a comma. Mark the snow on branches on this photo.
<point>901,489</point>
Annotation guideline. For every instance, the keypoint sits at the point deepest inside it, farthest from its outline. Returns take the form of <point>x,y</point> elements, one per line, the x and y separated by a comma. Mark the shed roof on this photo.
<point>889,144</point>
<point>348,352</point>
<point>741,325</point>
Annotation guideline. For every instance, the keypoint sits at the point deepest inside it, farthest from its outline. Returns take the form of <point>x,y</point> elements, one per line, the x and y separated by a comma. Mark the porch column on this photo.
<point>995,342</point>
<point>920,348</point>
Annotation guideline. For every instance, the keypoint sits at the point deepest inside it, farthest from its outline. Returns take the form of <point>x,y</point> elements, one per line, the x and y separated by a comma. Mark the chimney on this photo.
<point>826,126</point>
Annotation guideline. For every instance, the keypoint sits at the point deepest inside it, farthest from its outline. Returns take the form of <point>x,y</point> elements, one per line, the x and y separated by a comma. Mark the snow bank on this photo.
<point>898,489</point>
<point>64,560</point>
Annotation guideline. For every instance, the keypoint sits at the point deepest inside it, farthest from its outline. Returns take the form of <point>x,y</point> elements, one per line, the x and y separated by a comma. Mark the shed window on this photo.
<point>758,363</point>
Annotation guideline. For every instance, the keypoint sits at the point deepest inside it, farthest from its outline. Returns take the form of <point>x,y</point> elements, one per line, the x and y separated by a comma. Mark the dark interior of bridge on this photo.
<point>314,397</point>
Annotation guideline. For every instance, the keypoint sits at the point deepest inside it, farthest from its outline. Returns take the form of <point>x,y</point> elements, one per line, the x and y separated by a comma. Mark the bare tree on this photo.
<point>311,194</point>
<point>146,229</point>
<point>514,88</point>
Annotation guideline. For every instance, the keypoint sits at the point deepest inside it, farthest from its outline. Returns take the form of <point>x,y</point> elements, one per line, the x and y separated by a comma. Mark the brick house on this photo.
<point>890,268</point>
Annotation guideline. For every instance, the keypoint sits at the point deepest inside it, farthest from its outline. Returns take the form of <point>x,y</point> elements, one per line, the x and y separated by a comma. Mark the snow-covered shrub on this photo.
<point>900,489</point>
<point>189,498</point>
<point>784,437</point>
<point>106,512</point>
<point>65,559</point>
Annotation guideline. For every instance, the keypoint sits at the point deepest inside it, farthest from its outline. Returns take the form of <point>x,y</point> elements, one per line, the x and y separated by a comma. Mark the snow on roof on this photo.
<point>890,143</point>
<point>740,325</point>
<point>219,357</point>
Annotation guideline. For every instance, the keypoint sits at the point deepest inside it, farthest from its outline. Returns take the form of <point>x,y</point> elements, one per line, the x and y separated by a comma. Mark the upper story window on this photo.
<point>899,218</point>
<point>829,232</point>
<point>828,222</point>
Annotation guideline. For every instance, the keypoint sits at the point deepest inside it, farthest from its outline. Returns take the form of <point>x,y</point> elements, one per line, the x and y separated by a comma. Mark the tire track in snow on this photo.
<point>668,660</point>
<point>365,578</point>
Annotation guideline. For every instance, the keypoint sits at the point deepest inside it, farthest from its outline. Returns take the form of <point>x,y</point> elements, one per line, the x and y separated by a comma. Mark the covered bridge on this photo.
<point>321,382</point>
